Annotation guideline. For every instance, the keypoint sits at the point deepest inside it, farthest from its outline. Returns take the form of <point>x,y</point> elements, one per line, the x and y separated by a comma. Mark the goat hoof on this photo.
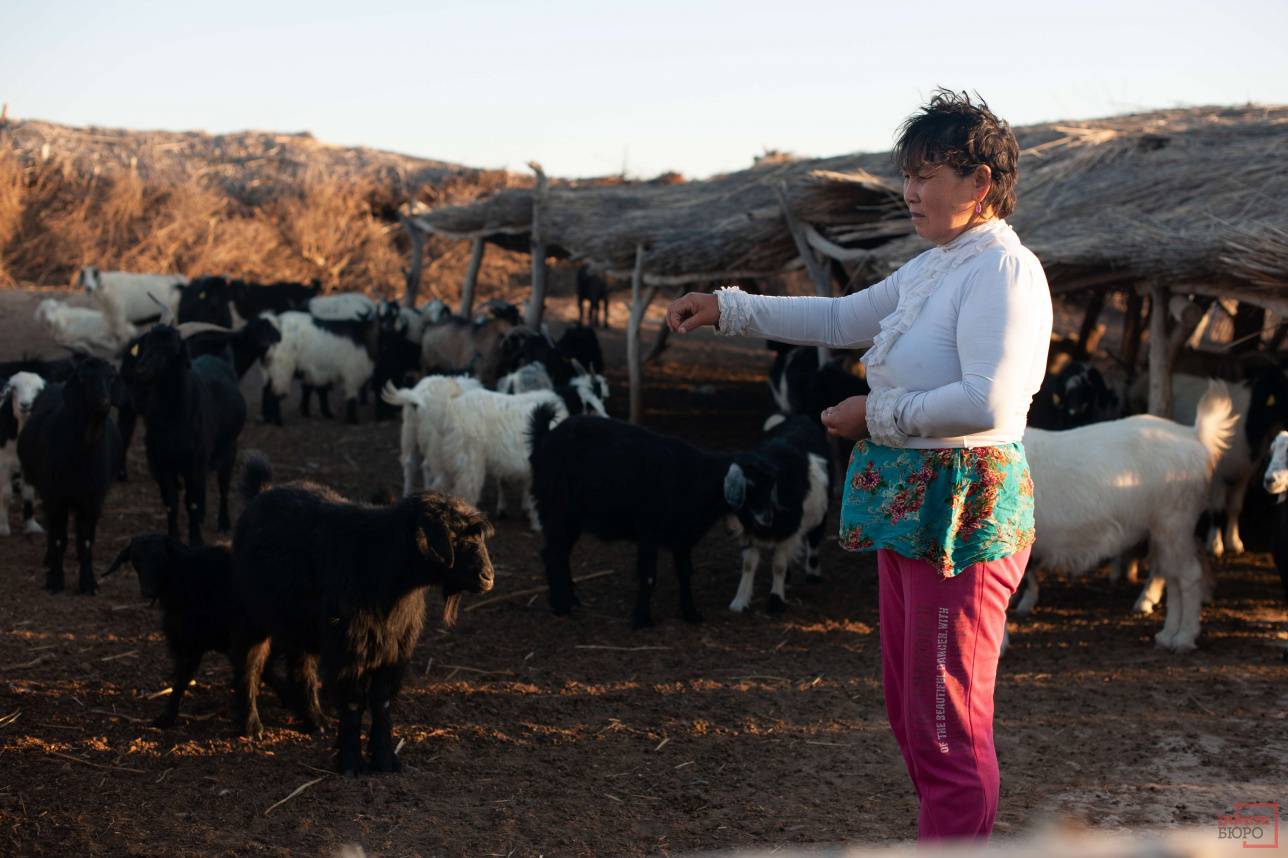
<point>33,528</point>
<point>776,604</point>
<point>737,607</point>
<point>253,729</point>
<point>87,589</point>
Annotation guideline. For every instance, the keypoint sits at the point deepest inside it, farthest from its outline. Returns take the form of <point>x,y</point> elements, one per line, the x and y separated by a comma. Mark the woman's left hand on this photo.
<point>847,419</point>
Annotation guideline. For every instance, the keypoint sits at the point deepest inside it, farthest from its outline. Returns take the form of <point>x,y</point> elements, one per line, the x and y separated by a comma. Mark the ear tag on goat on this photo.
<point>134,352</point>
<point>1270,400</point>
<point>1055,397</point>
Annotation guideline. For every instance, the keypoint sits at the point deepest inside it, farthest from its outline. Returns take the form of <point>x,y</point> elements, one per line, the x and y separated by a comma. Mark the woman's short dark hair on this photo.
<point>962,134</point>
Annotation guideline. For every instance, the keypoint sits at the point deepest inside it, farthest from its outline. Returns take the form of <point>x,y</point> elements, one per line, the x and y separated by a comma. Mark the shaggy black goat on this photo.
<point>207,299</point>
<point>68,450</point>
<point>800,386</point>
<point>580,344</point>
<point>252,299</point>
<point>192,411</point>
<point>247,344</point>
<point>622,482</point>
<point>198,612</point>
<point>347,582</point>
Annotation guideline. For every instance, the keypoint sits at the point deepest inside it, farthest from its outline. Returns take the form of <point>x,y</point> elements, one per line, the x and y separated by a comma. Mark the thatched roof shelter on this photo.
<point>1198,194</point>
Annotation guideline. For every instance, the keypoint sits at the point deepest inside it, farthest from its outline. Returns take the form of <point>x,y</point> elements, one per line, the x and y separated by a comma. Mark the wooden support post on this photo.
<point>471,277</point>
<point>412,272</point>
<point>1129,349</point>
<point>1088,330</point>
<point>537,301</point>
<point>1249,320</point>
<point>1160,370</point>
<point>1186,317</point>
<point>817,273</point>
<point>640,299</point>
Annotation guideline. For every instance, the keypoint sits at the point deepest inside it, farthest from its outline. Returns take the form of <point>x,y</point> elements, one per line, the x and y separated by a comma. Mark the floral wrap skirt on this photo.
<point>949,507</point>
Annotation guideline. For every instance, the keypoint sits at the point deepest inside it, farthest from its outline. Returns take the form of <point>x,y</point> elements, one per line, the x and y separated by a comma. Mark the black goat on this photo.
<point>795,458</point>
<point>252,299</point>
<point>800,386</point>
<point>580,343</point>
<point>1075,396</point>
<point>622,482</point>
<point>198,612</point>
<point>68,450</point>
<point>498,309</point>
<point>347,582</point>
<point>207,299</point>
<point>247,344</point>
<point>192,411</point>
<point>592,297</point>
<point>49,370</point>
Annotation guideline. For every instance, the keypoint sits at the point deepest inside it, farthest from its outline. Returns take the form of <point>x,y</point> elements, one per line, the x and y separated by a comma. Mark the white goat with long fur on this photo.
<point>320,356</point>
<point>16,398</point>
<point>1100,489</point>
<point>81,328</point>
<point>128,298</point>
<point>423,416</point>
<point>486,434</point>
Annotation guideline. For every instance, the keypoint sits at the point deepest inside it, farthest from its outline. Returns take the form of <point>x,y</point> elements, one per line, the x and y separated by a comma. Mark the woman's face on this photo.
<point>940,202</point>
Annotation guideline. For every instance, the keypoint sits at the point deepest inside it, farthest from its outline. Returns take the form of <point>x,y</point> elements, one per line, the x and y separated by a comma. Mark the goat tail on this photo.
<point>398,396</point>
<point>544,416</point>
<point>256,476</point>
<point>121,559</point>
<point>1215,420</point>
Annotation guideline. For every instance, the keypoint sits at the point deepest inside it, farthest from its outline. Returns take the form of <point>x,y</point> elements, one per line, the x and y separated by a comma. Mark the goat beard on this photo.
<point>451,606</point>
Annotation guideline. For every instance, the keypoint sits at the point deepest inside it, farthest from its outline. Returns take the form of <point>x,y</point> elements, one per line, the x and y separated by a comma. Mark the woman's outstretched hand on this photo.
<point>847,419</point>
<point>692,310</point>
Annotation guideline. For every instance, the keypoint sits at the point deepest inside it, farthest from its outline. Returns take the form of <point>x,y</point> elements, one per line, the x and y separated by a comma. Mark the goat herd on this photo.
<point>314,582</point>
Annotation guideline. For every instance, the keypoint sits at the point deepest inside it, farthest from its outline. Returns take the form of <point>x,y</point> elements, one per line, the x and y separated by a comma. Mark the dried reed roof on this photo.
<point>727,226</point>
<point>1187,194</point>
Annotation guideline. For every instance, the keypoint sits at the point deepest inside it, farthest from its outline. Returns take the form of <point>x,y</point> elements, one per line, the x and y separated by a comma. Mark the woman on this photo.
<point>956,345</point>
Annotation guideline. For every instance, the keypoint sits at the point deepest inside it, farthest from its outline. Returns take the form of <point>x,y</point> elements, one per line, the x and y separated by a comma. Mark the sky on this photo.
<point>592,88</point>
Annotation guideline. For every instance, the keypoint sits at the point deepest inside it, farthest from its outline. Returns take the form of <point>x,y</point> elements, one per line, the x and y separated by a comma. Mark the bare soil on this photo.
<point>527,734</point>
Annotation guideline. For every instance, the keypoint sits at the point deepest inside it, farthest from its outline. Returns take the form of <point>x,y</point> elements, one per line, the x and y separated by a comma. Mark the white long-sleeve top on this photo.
<point>957,339</point>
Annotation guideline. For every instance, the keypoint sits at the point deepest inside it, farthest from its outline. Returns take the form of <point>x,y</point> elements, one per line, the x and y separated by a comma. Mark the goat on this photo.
<point>81,329</point>
<point>592,297</point>
<point>580,345</point>
<point>459,345</point>
<point>16,399</point>
<point>498,309</point>
<point>1102,488</point>
<point>343,307</point>
<point>484,434</point>
<point>424,409</point>
<point>254,299</point>
<point>246,345</point>
<point>794,456</point>
<point>1275,481</point>
<point>128,298</point>
<point>346,582</point>
<point>68,450</point>
<point>49,370</point>
<point>1075,396</point>
<point>206,299</point>
<point>623,482</point>
<point>320,356</point>
<point>800,386</point>
<point>193,412</point>
<point>397,358</point>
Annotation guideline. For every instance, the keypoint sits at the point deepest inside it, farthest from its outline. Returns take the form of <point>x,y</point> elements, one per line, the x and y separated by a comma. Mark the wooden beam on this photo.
<point>1089,320</point>
<point>1129,348</point>
<point>1160,370</point>
<point>639,304</point>
<point>471,277</point>
<point>817,273</point>
<point>412,273</point>
<point>537,301</point>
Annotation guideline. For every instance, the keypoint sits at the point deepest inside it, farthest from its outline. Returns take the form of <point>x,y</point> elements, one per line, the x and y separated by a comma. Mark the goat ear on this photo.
<point>434,541</point>
<point>735,486</point>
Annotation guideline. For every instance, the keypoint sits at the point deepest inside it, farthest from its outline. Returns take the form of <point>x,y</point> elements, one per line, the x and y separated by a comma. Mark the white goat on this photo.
<point>486,433</point>
<point>423,416</point>
<point>320,356</point>
<point>18,395</point>
<point>81,328</point>
<point>342,307</point>
<point>128,298</point>
<point>1100,489</point>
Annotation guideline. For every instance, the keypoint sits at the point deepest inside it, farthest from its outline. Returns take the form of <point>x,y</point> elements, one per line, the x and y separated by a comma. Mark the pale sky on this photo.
<point>589,88</point>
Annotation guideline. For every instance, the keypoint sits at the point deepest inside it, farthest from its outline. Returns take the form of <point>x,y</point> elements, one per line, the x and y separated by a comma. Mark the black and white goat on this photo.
<point>800,386</point>
<point>128,298</point>
<point>69,450</point>
<point>193,413</point>
<point>619,482</point>
<point>17,396</point>
<point>1075,396</point>
<point>346,582</point>
<point>1275,481</point>
<point>794,457</point>
<point>322,358</point>
<point>1101,489</point>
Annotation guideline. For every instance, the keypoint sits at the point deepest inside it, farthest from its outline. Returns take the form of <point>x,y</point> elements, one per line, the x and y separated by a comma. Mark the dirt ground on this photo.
<point>527,734</point>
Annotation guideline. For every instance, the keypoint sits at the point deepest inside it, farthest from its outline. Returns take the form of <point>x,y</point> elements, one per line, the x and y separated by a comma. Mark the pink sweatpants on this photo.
<point>940,642</point>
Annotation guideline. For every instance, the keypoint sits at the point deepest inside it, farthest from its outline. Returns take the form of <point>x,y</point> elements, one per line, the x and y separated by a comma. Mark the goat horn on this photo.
<point>188,329</point>
<point>167,315</point>
<point>581,370</point>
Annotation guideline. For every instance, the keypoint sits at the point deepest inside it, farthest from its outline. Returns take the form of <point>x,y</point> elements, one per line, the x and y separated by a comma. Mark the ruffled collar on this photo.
<point>933,266</point>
